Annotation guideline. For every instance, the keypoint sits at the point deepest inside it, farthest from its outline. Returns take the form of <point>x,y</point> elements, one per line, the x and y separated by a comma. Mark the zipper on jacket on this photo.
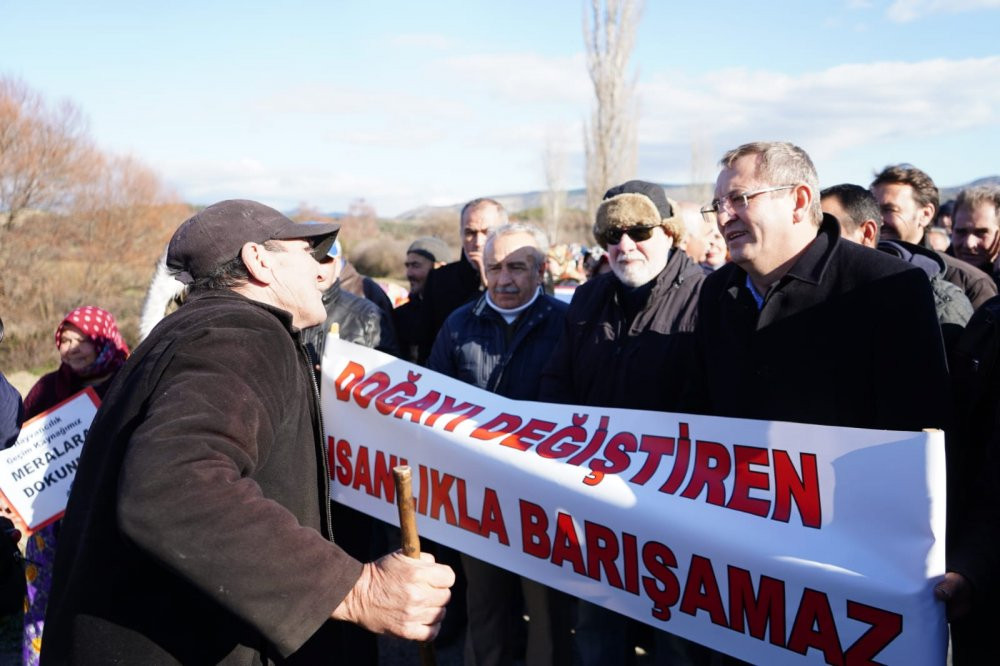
<point>322,445</point>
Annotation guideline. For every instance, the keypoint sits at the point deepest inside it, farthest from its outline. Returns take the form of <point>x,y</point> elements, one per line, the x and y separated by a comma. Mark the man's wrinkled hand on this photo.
<point>400,596</point>
<point>956,592</point>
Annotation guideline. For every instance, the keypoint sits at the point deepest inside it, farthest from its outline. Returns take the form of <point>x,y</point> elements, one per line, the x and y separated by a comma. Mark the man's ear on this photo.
<point>926,214</point>
<point>869,233</point>
<point>257,261</point>
<point>802,196</point>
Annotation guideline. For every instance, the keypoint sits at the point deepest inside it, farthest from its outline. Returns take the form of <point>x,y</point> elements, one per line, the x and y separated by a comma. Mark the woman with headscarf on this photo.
<point>92,351</point>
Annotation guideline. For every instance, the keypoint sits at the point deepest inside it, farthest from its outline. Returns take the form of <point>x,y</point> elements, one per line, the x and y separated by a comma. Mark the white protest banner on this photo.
<point>37,472</point>
<point>779,543</point>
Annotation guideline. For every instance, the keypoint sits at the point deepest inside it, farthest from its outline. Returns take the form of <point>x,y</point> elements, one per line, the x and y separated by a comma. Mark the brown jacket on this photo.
<point>197,529</point>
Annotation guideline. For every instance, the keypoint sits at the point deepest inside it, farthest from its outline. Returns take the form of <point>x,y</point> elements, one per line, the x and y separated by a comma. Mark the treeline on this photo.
<point>78,225</point>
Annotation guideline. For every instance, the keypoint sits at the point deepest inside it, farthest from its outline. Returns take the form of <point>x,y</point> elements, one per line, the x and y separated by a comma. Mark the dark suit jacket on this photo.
<point>447,289</point>
<point>847,337</point>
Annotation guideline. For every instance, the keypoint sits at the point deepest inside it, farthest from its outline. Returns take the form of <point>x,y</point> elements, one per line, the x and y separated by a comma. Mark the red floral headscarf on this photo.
<point>100,326</point>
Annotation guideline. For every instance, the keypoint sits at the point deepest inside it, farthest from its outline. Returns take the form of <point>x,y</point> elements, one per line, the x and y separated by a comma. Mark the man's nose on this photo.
<point>626,243</point>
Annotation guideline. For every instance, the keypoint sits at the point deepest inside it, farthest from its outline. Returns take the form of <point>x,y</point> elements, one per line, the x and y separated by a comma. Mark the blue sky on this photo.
<point>411,103</point>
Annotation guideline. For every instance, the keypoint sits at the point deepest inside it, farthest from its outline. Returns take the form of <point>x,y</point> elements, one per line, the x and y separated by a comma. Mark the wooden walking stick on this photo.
<point>411,541</point>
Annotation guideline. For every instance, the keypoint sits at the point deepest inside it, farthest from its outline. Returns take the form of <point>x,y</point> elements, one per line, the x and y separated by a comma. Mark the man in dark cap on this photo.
<point>627,338</point>
<point>198,530</point>
<point>424,255</point>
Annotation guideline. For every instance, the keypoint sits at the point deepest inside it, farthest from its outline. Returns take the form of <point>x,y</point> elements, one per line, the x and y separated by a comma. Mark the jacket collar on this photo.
<point>227,295</point>
<point>541,305</point>
<point>679,267</point>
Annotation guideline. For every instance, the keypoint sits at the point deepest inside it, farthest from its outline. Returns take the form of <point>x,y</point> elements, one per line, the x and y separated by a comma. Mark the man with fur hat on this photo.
<point>628,330</point>
<point>198,529</point>
<point>626,342</point>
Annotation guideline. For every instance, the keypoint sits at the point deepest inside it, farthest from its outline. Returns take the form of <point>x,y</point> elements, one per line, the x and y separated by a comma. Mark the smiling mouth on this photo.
<point>733,235</point>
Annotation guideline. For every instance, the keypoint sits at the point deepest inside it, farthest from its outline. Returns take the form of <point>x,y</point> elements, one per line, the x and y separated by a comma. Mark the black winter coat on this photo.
<point>602,361</point>
<point>978,286</point>
<point>358,320</point>
<point>197,529</point>
<point>363,286</point>
<point>847,337</point>
<point>447,288</point>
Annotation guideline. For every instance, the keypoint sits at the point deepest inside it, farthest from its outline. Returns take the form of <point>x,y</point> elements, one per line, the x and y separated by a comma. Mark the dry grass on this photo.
<point>56,264</point>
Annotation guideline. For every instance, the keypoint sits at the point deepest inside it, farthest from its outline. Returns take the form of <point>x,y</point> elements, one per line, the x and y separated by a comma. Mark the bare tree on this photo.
<point>360,222</point>
<point>610,138</point>
<point>44,153</point>
<point>554,197</point>
<point>78,225</point>
<point>703,169</point>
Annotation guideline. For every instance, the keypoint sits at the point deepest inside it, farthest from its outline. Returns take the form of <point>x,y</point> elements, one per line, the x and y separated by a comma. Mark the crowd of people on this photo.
<point>199,529</point>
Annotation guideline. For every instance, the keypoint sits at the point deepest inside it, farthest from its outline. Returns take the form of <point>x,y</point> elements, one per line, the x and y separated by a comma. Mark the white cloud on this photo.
<point>401,149</point>
<point>904,11</point>
<point>829,112</point>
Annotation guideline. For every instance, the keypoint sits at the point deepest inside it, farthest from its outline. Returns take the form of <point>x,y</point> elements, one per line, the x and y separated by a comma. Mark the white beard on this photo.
<point>637,272</point>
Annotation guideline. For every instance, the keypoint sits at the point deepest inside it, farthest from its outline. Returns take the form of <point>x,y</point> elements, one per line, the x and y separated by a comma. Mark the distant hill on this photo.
<point>515,203</point>
<point>952,192</point>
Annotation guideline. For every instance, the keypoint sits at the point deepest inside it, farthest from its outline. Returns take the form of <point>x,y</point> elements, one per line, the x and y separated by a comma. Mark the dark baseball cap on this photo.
<point>215,236</point>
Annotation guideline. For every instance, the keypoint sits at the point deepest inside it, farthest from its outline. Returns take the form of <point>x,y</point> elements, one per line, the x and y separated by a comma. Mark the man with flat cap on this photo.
<point>198,528</point>
<point>627,338</point>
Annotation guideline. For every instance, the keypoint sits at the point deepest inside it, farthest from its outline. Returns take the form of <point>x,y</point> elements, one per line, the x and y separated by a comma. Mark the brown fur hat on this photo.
<point>637,203</point>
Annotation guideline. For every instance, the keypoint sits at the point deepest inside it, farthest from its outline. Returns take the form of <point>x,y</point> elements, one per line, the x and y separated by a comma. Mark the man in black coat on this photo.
<point>462,281</point>
<point>628,330</point>
<point>776,327</point>
<point>627,340</point>
<point>804,326</point>
<point>198,529</point>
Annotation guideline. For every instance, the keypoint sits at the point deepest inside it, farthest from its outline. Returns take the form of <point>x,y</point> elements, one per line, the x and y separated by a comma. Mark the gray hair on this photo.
<point>973,197</point>
<point>511,228</point>
<point>781,163</point>
<point>476,204</point>
<point>694,223</point>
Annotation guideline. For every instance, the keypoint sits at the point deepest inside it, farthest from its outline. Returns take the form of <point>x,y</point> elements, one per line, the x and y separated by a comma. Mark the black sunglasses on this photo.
<point>613,236</point>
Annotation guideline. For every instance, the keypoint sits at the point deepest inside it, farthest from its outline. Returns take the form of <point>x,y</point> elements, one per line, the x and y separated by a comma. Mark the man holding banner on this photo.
<point>627,338</point>
<point>802,325</point>
<point>198,529</point>
<point>500,343</point>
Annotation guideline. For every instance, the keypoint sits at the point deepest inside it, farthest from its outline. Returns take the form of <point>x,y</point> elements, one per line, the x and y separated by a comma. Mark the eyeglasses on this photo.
<point>735,202</point>
<point>613,236</point>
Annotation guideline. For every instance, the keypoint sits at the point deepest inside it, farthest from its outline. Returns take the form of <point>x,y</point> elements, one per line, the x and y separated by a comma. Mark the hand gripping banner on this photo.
<point>778,543</point>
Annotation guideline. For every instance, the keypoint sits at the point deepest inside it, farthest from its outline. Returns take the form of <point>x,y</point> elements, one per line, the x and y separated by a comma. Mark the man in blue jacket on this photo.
<point>500,343</point>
